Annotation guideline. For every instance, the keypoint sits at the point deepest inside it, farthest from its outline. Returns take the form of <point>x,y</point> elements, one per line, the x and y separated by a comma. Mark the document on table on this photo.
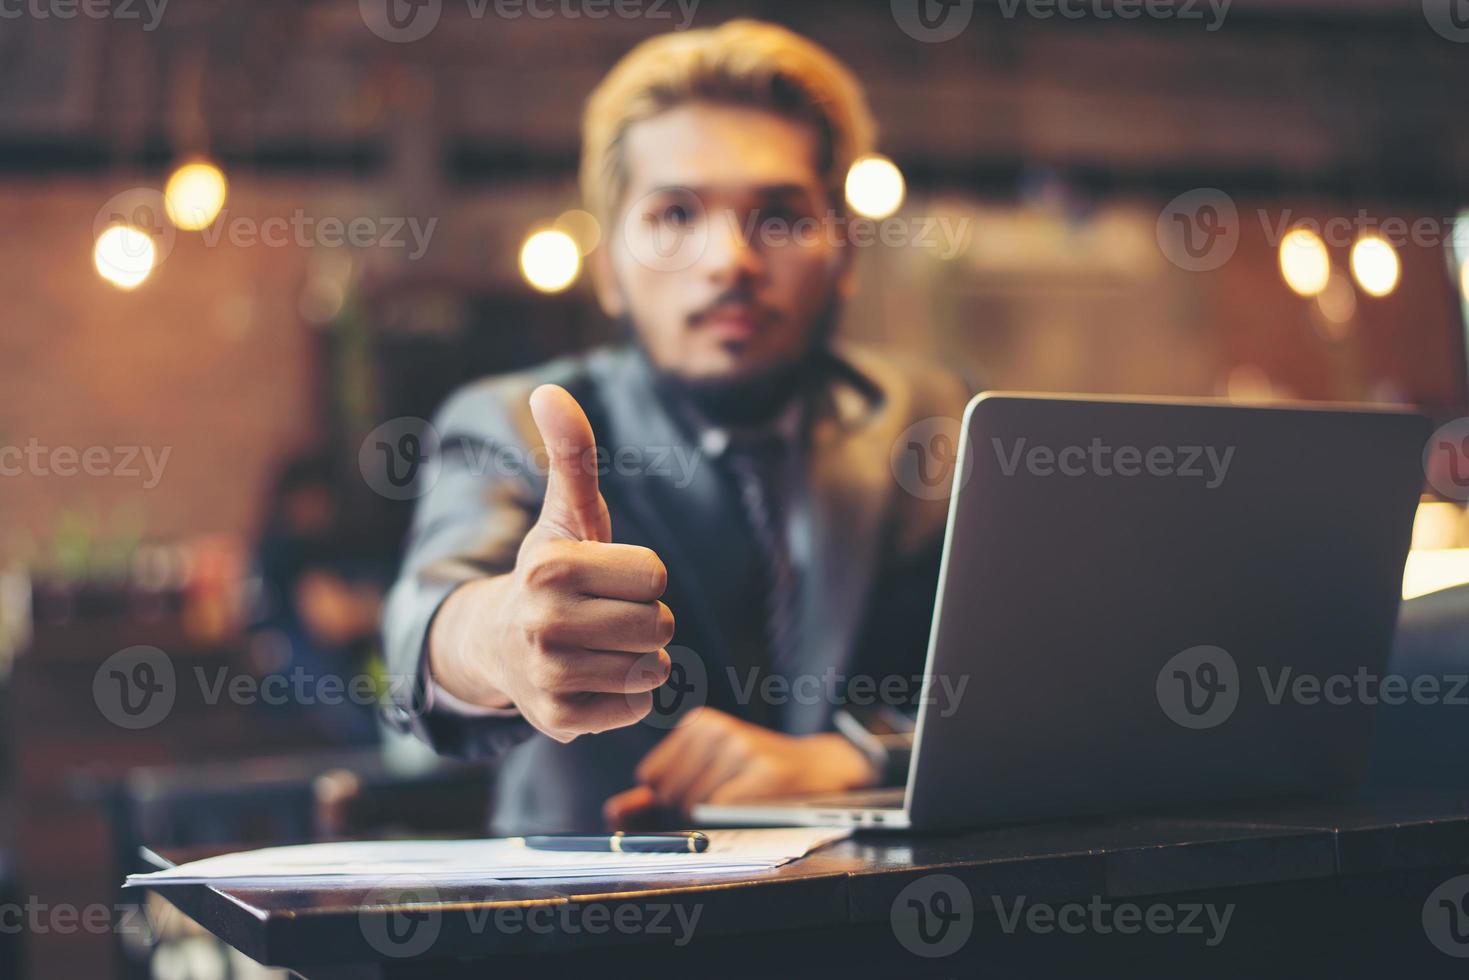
<point>374,862</point>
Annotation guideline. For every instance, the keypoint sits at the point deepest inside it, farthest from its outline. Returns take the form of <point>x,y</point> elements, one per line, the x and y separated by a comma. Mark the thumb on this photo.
<point>573,505</point>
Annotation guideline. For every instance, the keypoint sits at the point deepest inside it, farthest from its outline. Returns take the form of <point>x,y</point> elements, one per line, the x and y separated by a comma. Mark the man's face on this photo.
<point>724,253</point>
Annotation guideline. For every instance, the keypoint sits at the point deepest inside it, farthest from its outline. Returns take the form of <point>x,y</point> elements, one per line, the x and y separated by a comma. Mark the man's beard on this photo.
<point>755,398</point>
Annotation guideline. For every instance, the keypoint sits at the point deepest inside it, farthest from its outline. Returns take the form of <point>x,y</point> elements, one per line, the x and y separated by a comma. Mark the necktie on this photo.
<point>759,463</point>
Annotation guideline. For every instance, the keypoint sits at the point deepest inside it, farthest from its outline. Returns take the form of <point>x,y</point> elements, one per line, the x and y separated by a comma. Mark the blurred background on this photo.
<point>238,237</point>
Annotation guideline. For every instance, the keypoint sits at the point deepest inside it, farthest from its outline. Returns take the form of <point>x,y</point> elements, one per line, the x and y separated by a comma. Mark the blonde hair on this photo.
<point>744,62</point>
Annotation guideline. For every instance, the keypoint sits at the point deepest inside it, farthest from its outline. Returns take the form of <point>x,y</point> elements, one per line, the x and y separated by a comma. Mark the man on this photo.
<point>537,609</point>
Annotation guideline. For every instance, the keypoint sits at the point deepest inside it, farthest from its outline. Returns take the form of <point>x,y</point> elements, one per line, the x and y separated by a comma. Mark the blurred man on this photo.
<point>743,483</point>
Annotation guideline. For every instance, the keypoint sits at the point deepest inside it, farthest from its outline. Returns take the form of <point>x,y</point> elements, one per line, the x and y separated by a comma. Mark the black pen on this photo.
<point>688,842</point>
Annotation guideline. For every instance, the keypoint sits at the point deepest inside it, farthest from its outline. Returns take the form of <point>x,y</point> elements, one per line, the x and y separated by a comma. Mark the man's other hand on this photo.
<point>713,757</point>
<point>574,637</point>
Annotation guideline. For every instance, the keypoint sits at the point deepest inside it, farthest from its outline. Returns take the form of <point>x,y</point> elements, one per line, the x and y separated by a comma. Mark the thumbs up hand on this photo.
<point>573,637</point>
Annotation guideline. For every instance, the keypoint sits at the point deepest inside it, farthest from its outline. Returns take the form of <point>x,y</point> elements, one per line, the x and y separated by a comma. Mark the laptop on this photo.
<point>1153,602</point>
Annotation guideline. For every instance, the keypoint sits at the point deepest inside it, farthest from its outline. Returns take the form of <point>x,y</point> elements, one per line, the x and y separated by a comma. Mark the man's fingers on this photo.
<point>627,806</point>
<point>598,672</point>
<point>611,624</point>
<point>742,788</point>
<point>573,504</point>
<point>720,770</point>
<point>689,732</point>
<point>679,778</point>
<point>619,571</point>
<point>594,568</point>
<point>565,716</point>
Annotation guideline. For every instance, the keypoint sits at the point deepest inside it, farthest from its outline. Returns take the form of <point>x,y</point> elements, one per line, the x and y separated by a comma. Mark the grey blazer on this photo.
<point>867,589</point>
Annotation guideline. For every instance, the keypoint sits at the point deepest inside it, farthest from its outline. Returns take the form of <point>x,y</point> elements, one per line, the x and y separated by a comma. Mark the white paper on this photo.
<point>373,862</point>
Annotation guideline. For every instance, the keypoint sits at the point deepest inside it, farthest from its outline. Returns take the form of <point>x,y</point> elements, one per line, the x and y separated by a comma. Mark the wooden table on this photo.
<point>1324,890</point>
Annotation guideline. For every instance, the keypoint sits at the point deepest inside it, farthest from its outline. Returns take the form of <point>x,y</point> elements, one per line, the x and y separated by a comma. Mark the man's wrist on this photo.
<point>449,647</point>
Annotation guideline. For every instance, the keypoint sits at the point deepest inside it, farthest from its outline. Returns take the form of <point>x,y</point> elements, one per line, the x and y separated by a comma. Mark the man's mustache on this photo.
<point>737,296</point>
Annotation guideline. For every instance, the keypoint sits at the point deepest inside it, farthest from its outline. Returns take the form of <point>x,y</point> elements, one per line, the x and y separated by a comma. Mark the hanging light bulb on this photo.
<point>875,186</point>
<point>1304,262</point>
<point>1375,265</point>
<point>195,195</point>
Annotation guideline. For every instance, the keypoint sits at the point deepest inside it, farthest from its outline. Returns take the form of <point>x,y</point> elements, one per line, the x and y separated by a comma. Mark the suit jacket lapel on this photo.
<point>847,493</point>
<point>635,417</point>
